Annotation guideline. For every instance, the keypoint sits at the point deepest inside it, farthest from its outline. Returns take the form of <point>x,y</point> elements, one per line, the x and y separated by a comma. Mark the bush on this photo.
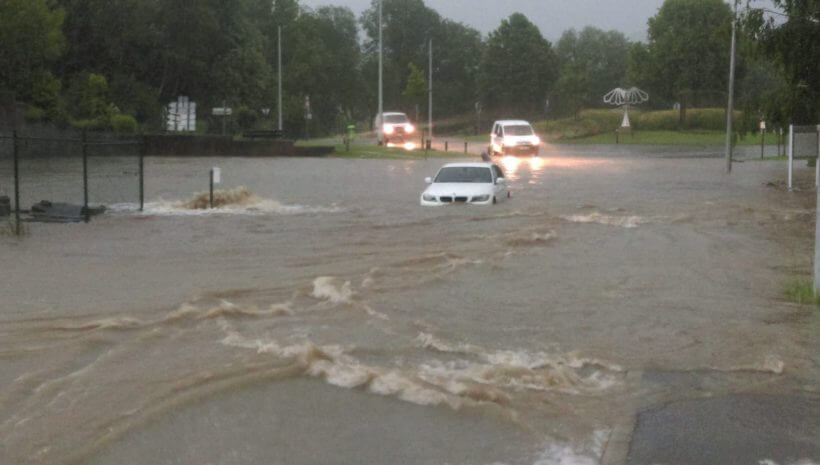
<point>246,117</point>
<point>35,114</point>
<point>124,124</point>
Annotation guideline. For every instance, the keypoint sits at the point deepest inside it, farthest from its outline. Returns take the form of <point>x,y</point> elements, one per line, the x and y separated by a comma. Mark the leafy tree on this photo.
<point>408,27</point>
<point>30,31</point>
<point>794,45</point>
<point>416,87</point>
<point>517,68</point>
<point>688,52</point>
<point>592,63</point>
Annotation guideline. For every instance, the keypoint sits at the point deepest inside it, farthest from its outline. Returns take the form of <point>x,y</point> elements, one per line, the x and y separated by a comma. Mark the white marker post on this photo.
<point>216,178</point>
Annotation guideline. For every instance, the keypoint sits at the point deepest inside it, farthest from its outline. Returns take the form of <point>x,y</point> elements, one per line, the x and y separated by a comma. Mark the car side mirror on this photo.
<point>428,180</point>
<point>500,181</point>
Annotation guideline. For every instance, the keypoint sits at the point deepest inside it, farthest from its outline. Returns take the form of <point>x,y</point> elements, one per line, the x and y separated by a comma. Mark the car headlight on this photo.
<point>429,197</point>
<point>536,140</point>
<point>481,198</point>
<point>388,129</point>
<point>409,129</point>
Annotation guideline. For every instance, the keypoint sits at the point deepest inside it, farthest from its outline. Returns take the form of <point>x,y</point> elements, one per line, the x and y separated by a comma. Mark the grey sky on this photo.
<point>553,17</point>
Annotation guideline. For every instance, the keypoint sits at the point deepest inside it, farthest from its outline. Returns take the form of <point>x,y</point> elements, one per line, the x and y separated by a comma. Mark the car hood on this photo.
<point>469,189</point>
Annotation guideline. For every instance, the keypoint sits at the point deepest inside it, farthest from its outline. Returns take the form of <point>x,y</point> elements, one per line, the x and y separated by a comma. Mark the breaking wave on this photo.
<point>595,217</point>
<point>239,200</point>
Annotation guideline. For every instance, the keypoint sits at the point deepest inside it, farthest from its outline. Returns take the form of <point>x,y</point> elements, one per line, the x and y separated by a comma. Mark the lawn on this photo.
<point>666,138</point>
<point>375,151</point>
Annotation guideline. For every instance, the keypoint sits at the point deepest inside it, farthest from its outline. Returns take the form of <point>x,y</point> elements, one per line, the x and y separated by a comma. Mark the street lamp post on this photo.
<point>730,105</point>
<point>381,89</point>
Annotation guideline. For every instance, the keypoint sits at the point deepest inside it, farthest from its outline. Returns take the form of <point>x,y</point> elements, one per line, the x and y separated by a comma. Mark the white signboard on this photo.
<point>217,175</point>
<point>181,115</point>
<point>221,111</point>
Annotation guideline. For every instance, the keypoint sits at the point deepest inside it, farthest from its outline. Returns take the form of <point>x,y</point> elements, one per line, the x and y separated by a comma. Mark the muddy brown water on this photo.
<point>321,316</point>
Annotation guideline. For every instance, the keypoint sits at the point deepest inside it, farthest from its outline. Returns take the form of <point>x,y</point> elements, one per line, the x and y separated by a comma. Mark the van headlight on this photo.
<point>481,198</point>
<point>409,129</point>
<point>388,129</point>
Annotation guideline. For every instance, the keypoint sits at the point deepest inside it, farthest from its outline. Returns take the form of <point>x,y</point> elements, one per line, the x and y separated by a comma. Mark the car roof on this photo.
<point>508,122</point>
<point>468,165</point>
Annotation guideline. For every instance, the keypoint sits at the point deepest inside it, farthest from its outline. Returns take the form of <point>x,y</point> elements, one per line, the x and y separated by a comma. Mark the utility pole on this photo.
<point>730,106</point>
<point>279,60</point>
<point>430,92</point>
<point>381,89</point>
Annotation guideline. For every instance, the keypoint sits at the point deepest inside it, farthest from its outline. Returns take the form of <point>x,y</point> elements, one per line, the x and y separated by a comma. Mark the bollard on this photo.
<point>429,144</point>
<point>446,146</point>
<point>211,203</point>
<point>762,141</point>
<point>465,146</point>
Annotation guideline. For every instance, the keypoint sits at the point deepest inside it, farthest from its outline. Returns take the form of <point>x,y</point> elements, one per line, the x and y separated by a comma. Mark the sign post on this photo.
<point>216,178</point>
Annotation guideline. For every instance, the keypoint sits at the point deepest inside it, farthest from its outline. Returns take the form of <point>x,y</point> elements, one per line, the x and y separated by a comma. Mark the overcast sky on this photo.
<point>552,16</point>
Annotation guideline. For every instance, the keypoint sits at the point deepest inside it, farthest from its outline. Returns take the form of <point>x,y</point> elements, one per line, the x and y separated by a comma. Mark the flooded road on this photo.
<point>321,316</point>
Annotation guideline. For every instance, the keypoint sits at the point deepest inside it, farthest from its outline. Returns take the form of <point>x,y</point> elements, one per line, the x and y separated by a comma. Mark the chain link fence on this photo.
<point>50,174</point>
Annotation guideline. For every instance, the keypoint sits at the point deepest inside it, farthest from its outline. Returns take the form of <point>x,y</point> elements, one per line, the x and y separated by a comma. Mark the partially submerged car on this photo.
<point>393,128</point>
<point>513,137</point>
<point>466,183</point>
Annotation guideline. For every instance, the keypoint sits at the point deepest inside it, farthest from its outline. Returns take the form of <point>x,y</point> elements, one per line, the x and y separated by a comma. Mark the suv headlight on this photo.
<point>388,129</point>
<point>409,129</point>
<point>481,198</point>
<point>429,197</point>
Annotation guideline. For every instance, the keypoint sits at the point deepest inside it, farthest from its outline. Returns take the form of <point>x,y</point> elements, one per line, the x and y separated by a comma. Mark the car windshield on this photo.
<point>395,119</point>
<point>474,174</point>
<point>518,130</point>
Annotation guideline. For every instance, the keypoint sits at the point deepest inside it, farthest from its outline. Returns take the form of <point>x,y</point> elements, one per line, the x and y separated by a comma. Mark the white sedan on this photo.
<point>466,183</point>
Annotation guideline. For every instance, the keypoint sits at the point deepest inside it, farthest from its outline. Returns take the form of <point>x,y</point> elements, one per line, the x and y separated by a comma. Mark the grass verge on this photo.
<point>801,292</point>
<point>662,138</point>
<point>380,152</point>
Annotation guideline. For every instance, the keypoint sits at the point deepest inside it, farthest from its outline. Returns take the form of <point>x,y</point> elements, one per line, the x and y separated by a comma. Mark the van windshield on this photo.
<point>518,130</point>
<point>395,119</point>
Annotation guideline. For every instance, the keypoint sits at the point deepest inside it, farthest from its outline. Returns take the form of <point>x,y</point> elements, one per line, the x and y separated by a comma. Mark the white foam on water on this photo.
<point>563,455</point>
<point>238,201</point>
<point>595,217</point>
<point>799,462</point>
<point>769,364</point>
<point>325,288</point>
<point>429,341</point>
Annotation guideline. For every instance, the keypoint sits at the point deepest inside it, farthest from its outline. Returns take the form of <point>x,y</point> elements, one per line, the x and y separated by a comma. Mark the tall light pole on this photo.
<point>279,60</point>
<point>730,106</point>
<point>381,88</point>
<point>430,91</point>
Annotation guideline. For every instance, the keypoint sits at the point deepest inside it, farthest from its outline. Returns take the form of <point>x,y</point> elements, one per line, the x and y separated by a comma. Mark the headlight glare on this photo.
<point>388,129</point>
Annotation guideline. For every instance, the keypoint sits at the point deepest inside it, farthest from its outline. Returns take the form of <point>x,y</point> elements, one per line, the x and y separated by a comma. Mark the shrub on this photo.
<point>34,114</point>
<point>246,117</point>
<point>124,124</point>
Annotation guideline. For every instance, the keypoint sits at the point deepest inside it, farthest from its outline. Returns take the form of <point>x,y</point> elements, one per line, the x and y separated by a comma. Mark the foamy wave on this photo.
<point>428,341</point>
<point>595,217</point>
<point>769,364</point>
<point>325,288</point>
<point>563,455</point>
<point>799,462</point>
<point>238,201</point>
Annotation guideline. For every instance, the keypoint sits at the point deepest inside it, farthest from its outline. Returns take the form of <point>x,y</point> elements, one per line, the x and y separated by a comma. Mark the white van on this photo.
<point>392,128</point>
<point>513,137</point>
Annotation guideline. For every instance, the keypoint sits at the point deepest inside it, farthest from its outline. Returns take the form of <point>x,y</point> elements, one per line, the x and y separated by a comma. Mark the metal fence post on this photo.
<point>212,189</point>
<point>16,149</point>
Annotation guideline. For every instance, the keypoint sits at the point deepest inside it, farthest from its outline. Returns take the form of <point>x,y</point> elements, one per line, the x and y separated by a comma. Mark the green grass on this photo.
<point>663,138</point>
<point>379,152</point>
<point>801,292</point>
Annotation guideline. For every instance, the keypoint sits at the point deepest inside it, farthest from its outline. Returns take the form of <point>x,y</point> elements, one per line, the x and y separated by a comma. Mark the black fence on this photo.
<point>74,170</point>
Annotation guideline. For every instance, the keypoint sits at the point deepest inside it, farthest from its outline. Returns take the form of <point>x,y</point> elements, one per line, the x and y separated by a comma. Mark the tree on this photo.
<point>416,87</point>
<point>30,31</point>
<point>408,26</point>
<point>794,45</point>
<point>687,57</point>
<point>591,64</point>
<point>517,68</point>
